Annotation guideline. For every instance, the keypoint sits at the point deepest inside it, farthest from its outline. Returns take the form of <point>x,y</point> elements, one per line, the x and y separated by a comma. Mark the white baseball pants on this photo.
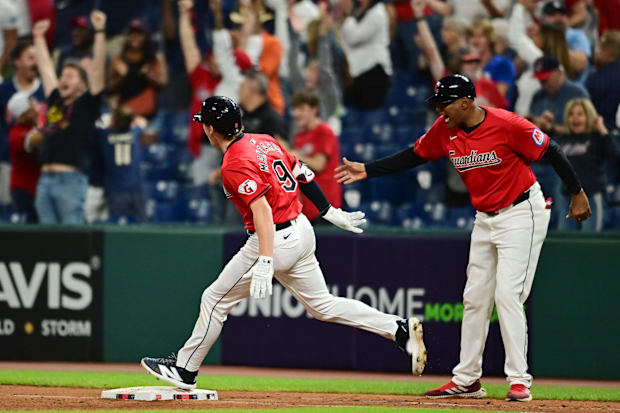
<point>297,269</point>
<point>502,261</point>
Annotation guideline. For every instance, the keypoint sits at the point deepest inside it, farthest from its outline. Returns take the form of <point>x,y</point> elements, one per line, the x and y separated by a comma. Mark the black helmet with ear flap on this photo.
<point>222,113</point>
<point>452,87</point>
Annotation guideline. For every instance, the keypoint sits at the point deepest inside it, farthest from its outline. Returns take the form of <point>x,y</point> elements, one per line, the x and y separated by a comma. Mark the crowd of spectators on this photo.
<point>96,105</point>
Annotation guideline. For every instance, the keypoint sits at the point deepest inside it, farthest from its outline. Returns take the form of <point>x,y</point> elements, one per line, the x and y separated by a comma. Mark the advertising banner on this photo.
<point>420,276</point>
<point>50,295</point>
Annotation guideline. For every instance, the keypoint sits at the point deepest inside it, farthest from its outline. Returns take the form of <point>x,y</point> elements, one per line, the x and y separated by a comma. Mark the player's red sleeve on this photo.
<point>244,183</point>
<point>429,146</point>
<point>526,139</point>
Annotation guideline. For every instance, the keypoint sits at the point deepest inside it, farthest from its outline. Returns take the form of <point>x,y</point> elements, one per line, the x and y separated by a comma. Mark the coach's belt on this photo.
<point>524,196</point>
<point>281,225</point>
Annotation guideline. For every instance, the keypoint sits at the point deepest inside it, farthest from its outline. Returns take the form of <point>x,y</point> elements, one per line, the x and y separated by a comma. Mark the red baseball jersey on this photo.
<point>255,165</point>
<point>493,160</point>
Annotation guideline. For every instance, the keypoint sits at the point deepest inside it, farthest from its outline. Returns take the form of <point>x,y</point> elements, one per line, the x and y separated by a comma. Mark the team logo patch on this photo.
<point>248,187</point>
<point>538,136</point>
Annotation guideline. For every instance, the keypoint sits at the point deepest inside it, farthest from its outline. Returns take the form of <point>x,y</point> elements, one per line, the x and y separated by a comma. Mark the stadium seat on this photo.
<point>350,118</point>
<point>162,190</point>
<point>154,174</point>
<point>461,217</point>
<point>352,135</point>
<point>164,212</point>
<point>411,215</point>
<point>198,210</point>
<point>174,128</point>
<point>157,154</point>
<point>378,212</point>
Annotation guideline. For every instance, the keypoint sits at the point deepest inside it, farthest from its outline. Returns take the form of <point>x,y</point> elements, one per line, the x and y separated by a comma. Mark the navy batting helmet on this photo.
<point>222,113</point>
<point>452,87</point>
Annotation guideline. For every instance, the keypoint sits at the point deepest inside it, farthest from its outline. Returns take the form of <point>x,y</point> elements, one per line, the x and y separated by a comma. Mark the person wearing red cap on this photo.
<point>81,47</point>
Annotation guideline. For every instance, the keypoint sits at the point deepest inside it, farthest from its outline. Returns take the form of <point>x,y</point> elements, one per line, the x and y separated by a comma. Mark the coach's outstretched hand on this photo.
<point>349,221</point>
<point>262,273</point>
<point>579,207</point>
<point>350,172</point>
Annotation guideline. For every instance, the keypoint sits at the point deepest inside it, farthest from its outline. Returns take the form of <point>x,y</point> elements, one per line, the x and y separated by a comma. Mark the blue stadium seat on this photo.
<point>174,128</point>
<point>411,215</point>
<point>461,217</point>
<point>351,118</point>
<point>154,174</point>
<point>378,212</point>
<point>198,210</point>
<point>163,211</point>
<point>162,190</point>
<point>190,191</point>
<point>182,159</point>
<point>356,193</point>
<point>352,135</point>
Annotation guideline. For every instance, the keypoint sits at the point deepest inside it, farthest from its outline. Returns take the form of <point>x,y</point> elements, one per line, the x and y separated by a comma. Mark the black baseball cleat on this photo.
<point>167,370</point>
<point>409,339</point>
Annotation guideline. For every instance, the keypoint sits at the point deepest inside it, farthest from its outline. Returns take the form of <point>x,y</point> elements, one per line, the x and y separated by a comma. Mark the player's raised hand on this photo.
<point>262,274</point>
<point>349,221</point>
<point>98,19</point>
<point>350,172</point>
<point>40,27</point>
<point>579,207</point>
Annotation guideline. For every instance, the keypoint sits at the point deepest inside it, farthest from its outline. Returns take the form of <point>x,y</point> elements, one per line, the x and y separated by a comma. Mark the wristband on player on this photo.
<point>315,194</point>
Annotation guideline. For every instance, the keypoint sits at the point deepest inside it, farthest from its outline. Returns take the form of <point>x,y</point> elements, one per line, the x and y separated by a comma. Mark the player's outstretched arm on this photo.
<point>262,271</point>
<point>355,171</point>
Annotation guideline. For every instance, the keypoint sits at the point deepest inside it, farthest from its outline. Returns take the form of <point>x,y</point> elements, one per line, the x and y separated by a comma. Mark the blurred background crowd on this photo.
<point>97,97</point>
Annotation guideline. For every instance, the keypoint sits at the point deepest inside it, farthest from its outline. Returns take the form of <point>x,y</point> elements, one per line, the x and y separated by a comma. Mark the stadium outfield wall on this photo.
<point>119,293</point>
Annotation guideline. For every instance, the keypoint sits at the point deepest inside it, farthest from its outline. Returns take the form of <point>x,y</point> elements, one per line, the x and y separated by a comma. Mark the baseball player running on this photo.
<point>263,181</point>
<point>491,149</point>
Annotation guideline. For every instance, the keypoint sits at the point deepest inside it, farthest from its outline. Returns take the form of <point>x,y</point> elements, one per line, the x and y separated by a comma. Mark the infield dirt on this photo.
<point>57,398</point>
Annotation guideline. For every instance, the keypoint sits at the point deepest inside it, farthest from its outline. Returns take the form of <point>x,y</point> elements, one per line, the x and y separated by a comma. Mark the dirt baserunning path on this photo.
<point>44,398</point>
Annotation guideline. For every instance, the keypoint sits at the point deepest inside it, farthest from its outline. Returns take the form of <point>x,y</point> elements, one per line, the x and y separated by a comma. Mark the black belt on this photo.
<point>524,196</point>
<point>281,225</point>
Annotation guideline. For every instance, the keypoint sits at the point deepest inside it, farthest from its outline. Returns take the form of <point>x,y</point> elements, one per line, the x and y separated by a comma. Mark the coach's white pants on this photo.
<point>502,261</point>
<point>298,271</point>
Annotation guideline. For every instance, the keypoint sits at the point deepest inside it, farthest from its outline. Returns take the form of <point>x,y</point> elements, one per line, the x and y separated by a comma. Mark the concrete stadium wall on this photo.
<point>120,293</point>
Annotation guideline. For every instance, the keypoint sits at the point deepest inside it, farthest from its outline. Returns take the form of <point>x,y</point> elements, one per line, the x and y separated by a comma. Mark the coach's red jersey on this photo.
<point>255,165</point>
<point>493,160</point>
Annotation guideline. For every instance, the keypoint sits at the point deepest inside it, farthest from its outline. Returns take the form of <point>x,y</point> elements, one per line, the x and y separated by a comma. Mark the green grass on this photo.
<point>297,410</point>
<point>87,379</point>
